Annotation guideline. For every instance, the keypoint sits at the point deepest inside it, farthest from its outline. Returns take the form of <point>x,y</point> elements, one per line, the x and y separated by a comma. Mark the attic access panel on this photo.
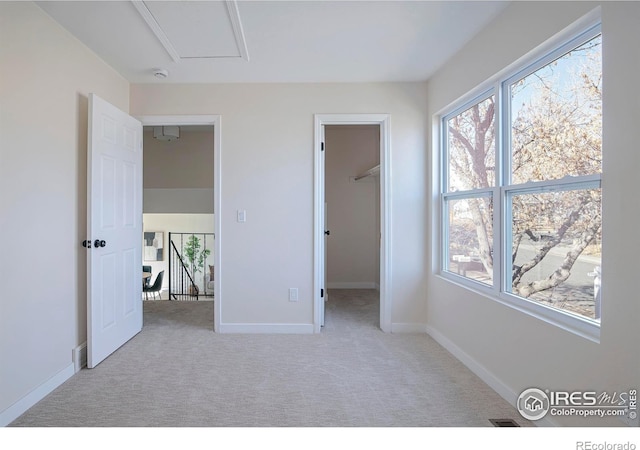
<point>196,29</point>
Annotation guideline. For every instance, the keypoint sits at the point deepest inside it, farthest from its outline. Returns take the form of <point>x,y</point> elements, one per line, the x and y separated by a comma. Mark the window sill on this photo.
<point>572,323</point>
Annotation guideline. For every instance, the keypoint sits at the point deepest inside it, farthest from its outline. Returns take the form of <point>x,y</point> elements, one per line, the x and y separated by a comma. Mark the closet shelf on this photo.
<point>371,172</point>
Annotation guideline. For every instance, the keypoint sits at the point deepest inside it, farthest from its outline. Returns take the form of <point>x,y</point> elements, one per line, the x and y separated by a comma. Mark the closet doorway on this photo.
<point>352,216</point>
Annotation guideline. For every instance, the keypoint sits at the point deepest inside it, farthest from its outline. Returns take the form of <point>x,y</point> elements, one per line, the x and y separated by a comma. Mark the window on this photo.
<point>468,200</point>
<point>521,201</point>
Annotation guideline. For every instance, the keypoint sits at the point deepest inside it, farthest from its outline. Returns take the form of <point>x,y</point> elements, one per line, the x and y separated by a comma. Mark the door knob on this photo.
<point>99,243</point>
<point>328,232</point>
<point>86,244</point>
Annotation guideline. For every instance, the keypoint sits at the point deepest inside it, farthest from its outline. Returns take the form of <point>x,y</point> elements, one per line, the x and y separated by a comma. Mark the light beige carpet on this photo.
<point>178,373</point>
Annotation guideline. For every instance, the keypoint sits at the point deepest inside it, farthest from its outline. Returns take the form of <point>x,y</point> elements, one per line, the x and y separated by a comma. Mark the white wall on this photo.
<point>174,201</point>
<point>45,79</point>
<point>512,350</point>
<point>353,247</point>
<point>175,223</point>
<point>267,167</point>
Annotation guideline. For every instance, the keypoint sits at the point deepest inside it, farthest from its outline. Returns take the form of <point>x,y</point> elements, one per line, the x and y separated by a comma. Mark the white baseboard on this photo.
<point>408,328</point>
<point>21,406</point>
<point>267,328</point>
<point>352,285</point>
<point>494,382</point>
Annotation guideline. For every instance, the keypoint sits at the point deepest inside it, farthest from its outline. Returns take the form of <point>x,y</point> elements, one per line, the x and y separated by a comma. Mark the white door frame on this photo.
<point>215,121</point>
<point>384,121</point>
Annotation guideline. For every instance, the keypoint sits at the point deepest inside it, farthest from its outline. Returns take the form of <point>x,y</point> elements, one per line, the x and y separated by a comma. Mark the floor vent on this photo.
<point>79,356</point>
<point>504,423</point>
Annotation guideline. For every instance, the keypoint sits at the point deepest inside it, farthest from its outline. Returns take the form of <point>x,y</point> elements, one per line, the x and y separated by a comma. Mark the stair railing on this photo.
<point>181,284</point>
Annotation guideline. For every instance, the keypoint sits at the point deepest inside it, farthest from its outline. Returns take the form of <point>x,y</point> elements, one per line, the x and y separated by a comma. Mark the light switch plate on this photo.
<point>242,215</point>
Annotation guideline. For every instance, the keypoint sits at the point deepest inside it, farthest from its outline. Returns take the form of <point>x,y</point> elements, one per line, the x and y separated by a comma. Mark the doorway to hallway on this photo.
<point>182,195</point>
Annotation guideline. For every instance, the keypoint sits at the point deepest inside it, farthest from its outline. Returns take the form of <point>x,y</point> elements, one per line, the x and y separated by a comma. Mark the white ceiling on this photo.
<point>274,41</point>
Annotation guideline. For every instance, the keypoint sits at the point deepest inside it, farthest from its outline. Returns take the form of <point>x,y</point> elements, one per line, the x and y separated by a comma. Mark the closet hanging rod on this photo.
<point>373,171</point>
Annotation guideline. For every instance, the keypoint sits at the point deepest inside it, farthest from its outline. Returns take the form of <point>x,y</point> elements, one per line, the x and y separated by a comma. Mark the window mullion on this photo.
<point>563,184</point>
<point>472,193</point>
<point>497,241</point>
<point>507,241</point>
<point>444,155</point>
<point>498,258</point>
<point>505,237</point>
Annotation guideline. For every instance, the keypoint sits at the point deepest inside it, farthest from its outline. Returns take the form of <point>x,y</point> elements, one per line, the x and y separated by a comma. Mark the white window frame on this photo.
<point>498,86</point>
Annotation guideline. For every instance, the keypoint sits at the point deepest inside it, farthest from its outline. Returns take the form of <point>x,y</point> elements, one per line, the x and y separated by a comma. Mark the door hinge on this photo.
<point>322,146</point>
<point>321,293</point>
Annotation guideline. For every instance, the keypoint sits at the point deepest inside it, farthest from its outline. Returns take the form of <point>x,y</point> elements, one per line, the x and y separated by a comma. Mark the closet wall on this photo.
<point>353,207</point>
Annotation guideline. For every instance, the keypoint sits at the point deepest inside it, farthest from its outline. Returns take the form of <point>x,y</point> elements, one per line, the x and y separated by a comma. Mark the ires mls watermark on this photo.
<point>534,404</point>
<point>589,445</point>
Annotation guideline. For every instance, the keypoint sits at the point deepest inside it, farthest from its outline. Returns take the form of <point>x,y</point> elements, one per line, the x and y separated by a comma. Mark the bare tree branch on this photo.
<point>564,271</point>
<point>545,249</point>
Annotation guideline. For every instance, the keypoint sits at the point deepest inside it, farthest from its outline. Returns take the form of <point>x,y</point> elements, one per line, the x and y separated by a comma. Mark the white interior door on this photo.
<point>326,260</point>
<point>114,229</point>
<point>323,245</point>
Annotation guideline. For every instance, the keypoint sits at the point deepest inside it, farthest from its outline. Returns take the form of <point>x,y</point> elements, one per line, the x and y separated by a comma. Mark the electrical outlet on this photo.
<point>293,294</point>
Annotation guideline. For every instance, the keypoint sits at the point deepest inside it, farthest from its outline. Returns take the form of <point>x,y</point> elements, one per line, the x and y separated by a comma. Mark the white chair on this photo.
<point>209,282</point>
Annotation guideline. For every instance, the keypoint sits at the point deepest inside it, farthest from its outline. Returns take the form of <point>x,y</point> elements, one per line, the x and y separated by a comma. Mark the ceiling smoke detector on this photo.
<point>161,73</point>
<point>166,133</point>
